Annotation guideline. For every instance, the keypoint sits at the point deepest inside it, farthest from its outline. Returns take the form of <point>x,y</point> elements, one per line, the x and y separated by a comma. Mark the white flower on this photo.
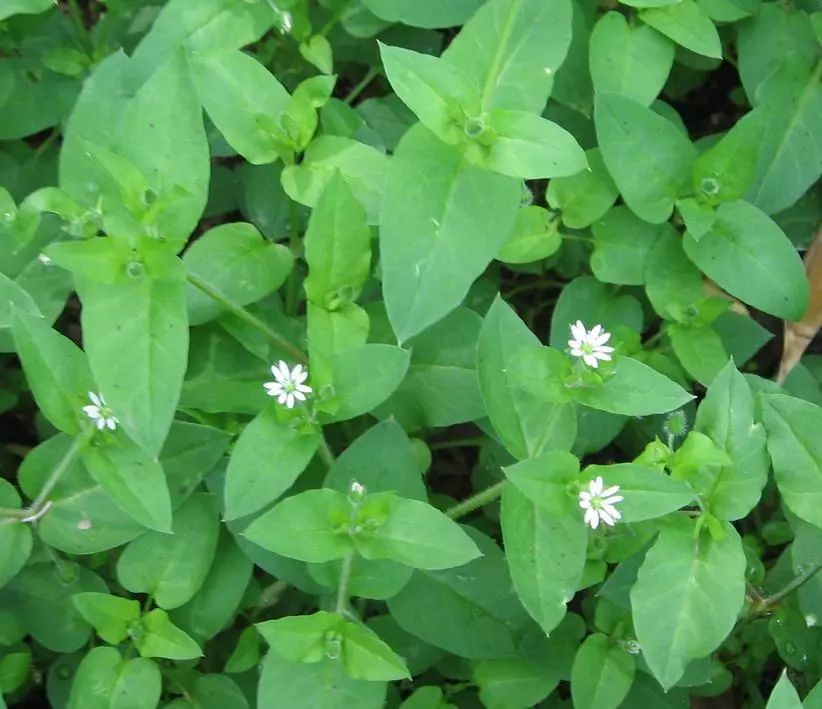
<point>99,412</point>
<point>598,503</point>
<point>288,386</point>
<point>590,345</point>
<point>44,259</point>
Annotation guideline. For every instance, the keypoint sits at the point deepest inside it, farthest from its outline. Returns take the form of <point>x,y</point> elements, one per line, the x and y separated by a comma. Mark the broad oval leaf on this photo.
<point>105,680</point>
<point>602,674</point>
<point>749,256</point>
<point>648,157</point>
<point>687,596</point>
<point>443,221</point>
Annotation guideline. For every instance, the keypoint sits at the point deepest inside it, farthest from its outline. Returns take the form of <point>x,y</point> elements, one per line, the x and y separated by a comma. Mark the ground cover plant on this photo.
<point>454,353</point>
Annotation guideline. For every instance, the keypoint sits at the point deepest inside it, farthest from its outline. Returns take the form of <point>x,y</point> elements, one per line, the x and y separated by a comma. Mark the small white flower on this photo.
<point>590,345</point>
<point>288,386</point>
<point>598,503</point>
<point>44,259</point>
<point>357,488</point>
<point>100,413</point>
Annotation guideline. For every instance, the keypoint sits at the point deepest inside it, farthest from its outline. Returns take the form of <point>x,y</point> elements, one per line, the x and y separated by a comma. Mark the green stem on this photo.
<point>82,30</point>
<point>362,85</point>
<point>476,501</point>
<point>252,320</point>
<point>292,285</point>
<point>770,601</point>
<point>325,452</point>
<point>576,237</point>
<point>345,577</point>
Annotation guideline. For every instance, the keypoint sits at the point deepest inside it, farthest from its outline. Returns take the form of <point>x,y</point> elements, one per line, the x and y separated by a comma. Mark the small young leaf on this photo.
<point>367,657</point>
<point>686,23</point>
<point>109,615</point>
<point>159,637</point>
<point>586,196</point>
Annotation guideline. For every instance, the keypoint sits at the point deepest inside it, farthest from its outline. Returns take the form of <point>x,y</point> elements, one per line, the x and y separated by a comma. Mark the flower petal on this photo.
<point>101,423</point>
<point>590,360</point>
<point>610,491</point>
<point>605,517</point>
<point>92,411</point>
<point>304,388</point>
<point>612,511</point>
<point>97,400</point>
<point>578,331</point>
<point>592,519</point>
<point>596,485</point>
<point>289,402</point>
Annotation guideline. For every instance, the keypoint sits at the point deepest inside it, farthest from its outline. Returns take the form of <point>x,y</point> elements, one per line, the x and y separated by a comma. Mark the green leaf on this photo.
<point>367,657</point>
<point>308,686</point>
<point>535,236</point>
<point>686,23</point>
<point>83,518</point>
<point>301,638</point>
<point>585,197</point>
<point>784,695</point>
<point>724,172</point>
<point>648,157</point>
<point>135,482</point>
<point>510,682</point>
<point>542,372</point>
<point>789,154</point>
<point>545,551</point>
<point>357,393</point>
<point>442,386</point>
<point>622,244</point>
<point>602,675</point>
<point>237,261</point>
<point>157,636</point>
<point>24,7</point>
<point>470,611</point>
<point>418,535</point>
<point>749,256</point>
<point>383,460</point>
<point>14,298</point>
<point>527,146</point>
<point>40,599</point>
<point>545,479</point>
<point>699,350</point>
<point>796,453</point>
<point>55,368</point>
<point>364,169</point>
<point>648,492</point>
<point>110,616</point>
<point>438,93</point>
<point>217,601</point>
<point>634,389</point>
<point>511,49</point>
<point>267,458</point>
<point>672,282</point>
<point>687,597</point>
<point>526,425</point>
<point>104,680</point>
<point>158,129</point>
<point>443,221</point>
<point>337,246</point>
<point>136,338</point>
<point>317,51</point>
<point>15,539</point>
<point>236,90</point>
<point>311,526</point>
<point>173,567</point>
<point>588,300</point>
<point>447,13</point>
<point>631,60</point>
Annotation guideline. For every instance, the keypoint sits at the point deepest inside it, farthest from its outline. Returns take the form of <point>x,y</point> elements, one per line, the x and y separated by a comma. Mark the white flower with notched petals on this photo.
<point>599,502</point>
<point>288,386</point>
<point>100,413</point>
<point>590,345</point>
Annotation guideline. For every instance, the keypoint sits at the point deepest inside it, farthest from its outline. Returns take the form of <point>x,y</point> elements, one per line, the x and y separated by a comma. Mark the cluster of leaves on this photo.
<point>359,187</point>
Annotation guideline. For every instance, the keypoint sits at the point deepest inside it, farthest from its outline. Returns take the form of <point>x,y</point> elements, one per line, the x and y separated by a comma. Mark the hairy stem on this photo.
<point>362,85</point>
<point>476,501</point>
<point>243,314</point>
<point>770,601</point>
<point>345,577</point>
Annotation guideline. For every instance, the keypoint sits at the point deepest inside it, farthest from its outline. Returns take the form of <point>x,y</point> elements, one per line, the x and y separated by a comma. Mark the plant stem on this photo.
<point>476,501</point>
<point>77,17</point>
<point>345,577</point>
<point>325,452</point>
<point>362,85</point>
<point>252,320</point>
<point>770,601</point>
